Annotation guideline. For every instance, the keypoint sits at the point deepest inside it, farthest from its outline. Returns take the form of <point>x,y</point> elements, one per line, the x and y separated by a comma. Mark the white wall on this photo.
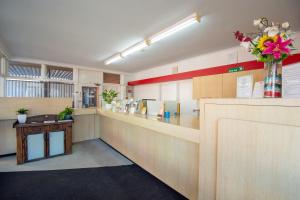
<point>151,91</point>
<point>184,91</point>
<point>217,58</point>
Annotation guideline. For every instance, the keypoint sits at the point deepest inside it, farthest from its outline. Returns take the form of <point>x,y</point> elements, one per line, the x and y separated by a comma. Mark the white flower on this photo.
<point>285,25</point>
<point>256,22</point>
<point>260,25</point>
<point>272,31</point>
<point>245,45</point>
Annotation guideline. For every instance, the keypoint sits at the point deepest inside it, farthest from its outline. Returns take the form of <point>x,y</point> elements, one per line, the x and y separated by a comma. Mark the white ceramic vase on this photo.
<point>108,106</point>
<point>22,118</point>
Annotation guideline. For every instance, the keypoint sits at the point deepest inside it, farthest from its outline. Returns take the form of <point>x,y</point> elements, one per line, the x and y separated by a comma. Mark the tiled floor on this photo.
<point>93,153</point>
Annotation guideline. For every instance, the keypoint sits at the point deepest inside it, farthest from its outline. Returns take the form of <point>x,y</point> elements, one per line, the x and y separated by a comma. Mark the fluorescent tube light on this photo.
<point>113,59</point>
<point>192,19</point>
<point>137,47</point>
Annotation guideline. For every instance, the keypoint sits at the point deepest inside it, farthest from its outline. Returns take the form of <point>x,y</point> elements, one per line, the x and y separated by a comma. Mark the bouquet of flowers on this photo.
<point>271,43</point>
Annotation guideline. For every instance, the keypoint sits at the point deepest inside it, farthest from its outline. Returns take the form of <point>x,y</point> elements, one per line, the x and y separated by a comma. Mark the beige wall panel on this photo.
<point>83,128</point>
<point>97,126</point>
<point>36,106</point>
<point>258,161</point>
<point>7,137</point>
<point>172,160</point>
<point>277,111</point>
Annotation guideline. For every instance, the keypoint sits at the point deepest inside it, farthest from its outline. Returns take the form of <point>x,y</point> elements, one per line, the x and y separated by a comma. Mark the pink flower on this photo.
<point>277,48</point>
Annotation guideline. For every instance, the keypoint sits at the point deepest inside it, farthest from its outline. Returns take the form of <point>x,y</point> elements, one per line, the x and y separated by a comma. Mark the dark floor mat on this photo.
<point>111,183</point>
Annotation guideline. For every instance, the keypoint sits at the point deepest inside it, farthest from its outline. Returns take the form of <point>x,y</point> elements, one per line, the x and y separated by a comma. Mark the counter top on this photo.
<point>188,121</point>
<point>85,111</point>
<point>184,126</point>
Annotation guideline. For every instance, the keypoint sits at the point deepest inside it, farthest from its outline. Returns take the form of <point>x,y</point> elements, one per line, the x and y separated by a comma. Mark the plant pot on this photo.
<point>68,117</point>
<point>272,88</point>
<point>22,118</point>
<point>108,106</point>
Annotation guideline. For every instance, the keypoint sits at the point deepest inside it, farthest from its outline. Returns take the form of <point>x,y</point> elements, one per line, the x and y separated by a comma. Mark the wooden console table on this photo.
<point>42,137</point>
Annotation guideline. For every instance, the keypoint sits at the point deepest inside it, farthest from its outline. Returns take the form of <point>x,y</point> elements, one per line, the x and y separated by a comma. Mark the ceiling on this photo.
<point>87,32</point>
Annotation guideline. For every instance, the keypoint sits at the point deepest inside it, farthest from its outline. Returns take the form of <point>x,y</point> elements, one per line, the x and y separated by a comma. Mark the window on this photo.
<point>22,81</point>
<point>60,90</point>
<point>24,70</point>
<point>19,88</point>
<point>59,73</point>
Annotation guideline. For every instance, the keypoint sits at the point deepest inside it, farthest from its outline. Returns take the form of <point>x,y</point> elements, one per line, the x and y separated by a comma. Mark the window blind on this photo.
<point>59,73</point>
<point>18,88</point>
<point>24,70</point>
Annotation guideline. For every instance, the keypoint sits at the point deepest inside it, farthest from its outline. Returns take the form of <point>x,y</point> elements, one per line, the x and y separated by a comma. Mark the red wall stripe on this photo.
<point>249,65</point>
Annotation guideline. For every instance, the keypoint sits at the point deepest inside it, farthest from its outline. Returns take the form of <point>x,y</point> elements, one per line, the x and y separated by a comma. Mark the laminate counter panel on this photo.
<point>170,152</point>
<point>184,127</point>
<point>270,113</point>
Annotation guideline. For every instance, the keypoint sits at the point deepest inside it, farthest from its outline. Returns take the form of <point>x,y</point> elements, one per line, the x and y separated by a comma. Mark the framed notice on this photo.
<point>244,86</point>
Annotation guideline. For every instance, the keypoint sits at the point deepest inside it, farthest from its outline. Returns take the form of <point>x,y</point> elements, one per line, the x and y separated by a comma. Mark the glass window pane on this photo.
<point>25,70</point>
<point>59,73</point>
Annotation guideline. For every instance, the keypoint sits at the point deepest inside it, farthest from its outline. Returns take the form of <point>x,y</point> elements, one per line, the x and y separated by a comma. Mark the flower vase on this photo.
<point>272,80</point>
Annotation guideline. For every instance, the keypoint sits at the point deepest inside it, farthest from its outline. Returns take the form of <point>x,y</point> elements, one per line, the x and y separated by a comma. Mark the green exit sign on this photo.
<point>236,69</point>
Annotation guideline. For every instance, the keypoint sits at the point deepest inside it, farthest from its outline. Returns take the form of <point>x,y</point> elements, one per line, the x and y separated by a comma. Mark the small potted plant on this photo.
<point>22,115</point>
<point>108,97</point>
<point>66,114</point>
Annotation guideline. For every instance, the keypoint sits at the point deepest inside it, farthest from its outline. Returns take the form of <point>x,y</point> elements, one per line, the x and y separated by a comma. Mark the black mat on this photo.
<point>122,182</point>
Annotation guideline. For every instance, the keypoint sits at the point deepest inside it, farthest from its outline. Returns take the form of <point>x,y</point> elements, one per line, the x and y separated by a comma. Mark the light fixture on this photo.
<point>186,22</point>
<point>192,19</point>
<point>137,47</point>
<point>113,59</point>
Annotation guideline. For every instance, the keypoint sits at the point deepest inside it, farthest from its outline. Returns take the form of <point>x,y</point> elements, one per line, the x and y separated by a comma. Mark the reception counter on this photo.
<point>244,149</point>
<point>167,149</point>
<point>233,146</point>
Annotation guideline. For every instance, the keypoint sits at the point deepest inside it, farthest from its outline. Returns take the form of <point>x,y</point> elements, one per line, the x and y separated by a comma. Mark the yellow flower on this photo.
<point>263,40</point>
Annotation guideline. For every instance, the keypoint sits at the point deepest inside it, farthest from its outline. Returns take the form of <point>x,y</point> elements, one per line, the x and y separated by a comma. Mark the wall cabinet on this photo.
<point>221,85</point>
<point>207,86</point>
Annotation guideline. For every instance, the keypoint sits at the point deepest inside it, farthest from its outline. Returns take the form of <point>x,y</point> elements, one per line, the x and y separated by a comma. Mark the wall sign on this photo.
<point>236,69</point>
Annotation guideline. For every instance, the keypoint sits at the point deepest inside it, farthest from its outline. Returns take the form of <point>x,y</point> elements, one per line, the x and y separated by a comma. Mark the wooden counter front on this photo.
<point>169,152</point>
<point>249,149</point>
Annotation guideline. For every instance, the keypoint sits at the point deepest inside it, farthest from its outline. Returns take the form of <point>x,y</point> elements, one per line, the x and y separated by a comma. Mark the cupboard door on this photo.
<point>258,75</point>
<point>35,146</point>
<point>195,88</point>
<point>229,83</point>
<point>56,143</point>
<point>210,86</point>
